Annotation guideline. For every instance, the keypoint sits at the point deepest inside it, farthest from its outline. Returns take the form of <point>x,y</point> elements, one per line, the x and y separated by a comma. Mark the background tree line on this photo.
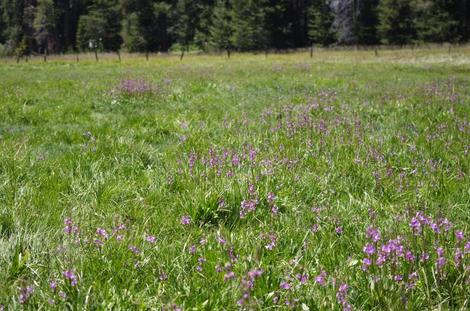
<point>57,26</point>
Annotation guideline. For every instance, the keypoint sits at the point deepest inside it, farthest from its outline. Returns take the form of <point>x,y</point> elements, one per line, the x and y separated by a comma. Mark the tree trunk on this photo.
<point>45,55</point>
<point>228,53</point>
<point>311,50</point>
<point>96,55</point>
<point>182,54</point>
<point>376,52</point>
<point>147,55</point>
<point>78,57</point>
<point>119,55</point>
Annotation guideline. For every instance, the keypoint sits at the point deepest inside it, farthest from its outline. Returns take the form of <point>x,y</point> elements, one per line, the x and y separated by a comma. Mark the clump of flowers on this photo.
<point>185,220</point>
<point>247,284</point>
<point>342,297</point>
<point>69,227</point>
<point>25,294</point>
<point>70,276</point>
<point>135,87</point>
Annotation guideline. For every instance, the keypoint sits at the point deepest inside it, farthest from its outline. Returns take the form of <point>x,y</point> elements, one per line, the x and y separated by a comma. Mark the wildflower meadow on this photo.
<point>259,182</point>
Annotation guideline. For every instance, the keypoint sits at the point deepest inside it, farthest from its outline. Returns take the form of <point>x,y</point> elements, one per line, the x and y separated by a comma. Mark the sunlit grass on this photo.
<point>256,182</point>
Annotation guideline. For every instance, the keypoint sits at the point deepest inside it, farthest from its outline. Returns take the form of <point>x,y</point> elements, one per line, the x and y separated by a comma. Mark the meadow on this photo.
<point>338,182</point>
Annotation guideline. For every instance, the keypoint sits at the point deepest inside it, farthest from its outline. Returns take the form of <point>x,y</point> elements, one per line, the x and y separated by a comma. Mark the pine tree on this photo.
<point>133,40</point>
<point>396,22</point>
<point>279,24</point>
<point>221,29</point>
<point>204,23</point>
<point>162,11</point>
<point>18,16</point>
<point>45,21</point>
<point>141,25</point>
<point>248,22</point>
<point>367,22</point>
<point>2,25</point>
<point>437,20</point>
<point>184,29</point>
<point>320,23</point>
<point>100,28</point>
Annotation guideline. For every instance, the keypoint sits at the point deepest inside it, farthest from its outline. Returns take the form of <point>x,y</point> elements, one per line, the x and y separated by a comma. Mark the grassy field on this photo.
<point>334,182</point>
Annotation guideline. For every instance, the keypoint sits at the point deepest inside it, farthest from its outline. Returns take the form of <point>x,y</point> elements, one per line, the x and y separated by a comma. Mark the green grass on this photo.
<point>343,140</point>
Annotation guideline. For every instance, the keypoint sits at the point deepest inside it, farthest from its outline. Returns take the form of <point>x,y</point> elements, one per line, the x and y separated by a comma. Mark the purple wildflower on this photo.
<point>231,254</point>
<point>303,278</point>
<point>271,197</point>
<point>435,228</point>
<point>339,230</point>
<point>53,285</point>
<point>369,249</point>
<point>221,240</point>
<point>25,294</point>
<point>366,262</point>
<point>192,249</point>
<point>321,278</point>
<point>134,249</point>
<point>163,276</point>
<point>247,206</point>
<point>458,256</point>
<point>341,295</point>
<point>274,210</point>
<point>440,262</point>
<point>381,259</point>
<point>185,220</point>
<point>373,234</point>
<point>440,251</point>
<point>409,256</point>
<point>424,257</point>
<point>62,294</point>
<point>415,225</point>
<point>285,285</point>
<point>467,248</point>
<point>229,275</point>
<point>70,275</point>
<point>151,239</point>
<point>315,228</point>
<point>459,235</point>
<point>272,241</point>
<point>69,227</point>
<point>412,278</point>
<point>102,232</point>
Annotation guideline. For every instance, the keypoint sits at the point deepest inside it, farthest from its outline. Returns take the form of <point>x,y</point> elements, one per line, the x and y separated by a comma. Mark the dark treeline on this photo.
<point>58,26</point>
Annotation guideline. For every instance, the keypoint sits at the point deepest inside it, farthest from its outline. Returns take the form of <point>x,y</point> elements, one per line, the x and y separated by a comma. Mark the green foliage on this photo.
<point>101,27</point>
<point>186,19</point>
<point>368,20</point>
<point>133,39</point>
<point>221,30</point>
<point>437,21</point>
<point>45,21</point>
<point>320,23</point>
<point>156,25</point>
<point>396,24</point>
<point>340,141</point>
<point>248,22</point>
